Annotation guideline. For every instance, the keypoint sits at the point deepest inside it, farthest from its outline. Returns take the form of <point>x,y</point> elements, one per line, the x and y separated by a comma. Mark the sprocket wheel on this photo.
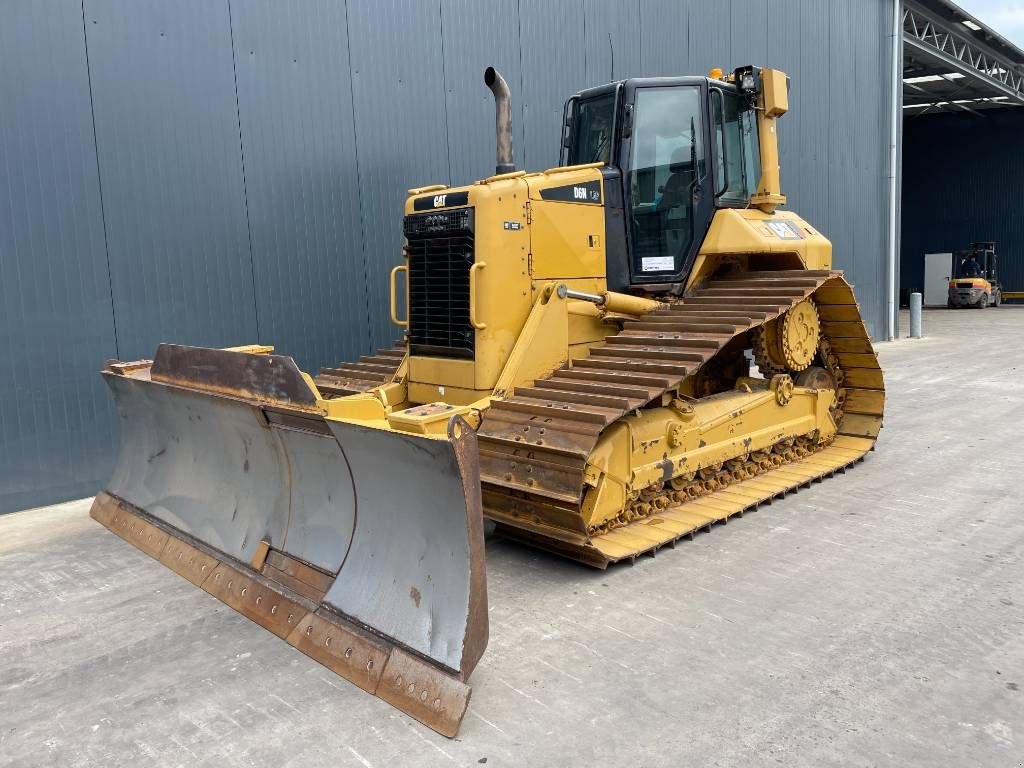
<point>789,342</point>
<point>801,329</point>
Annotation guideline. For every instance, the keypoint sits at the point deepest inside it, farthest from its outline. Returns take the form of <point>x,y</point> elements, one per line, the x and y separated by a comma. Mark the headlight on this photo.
<point>748,83</point>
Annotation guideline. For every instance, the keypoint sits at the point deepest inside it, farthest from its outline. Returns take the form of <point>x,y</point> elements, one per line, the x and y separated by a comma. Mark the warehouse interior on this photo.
<point>963,168</point>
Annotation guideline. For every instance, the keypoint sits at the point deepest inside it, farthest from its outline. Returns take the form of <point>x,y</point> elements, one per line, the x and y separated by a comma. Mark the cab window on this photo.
<point>737,157</point>
<point>667,163</point>
<point>592,141</point>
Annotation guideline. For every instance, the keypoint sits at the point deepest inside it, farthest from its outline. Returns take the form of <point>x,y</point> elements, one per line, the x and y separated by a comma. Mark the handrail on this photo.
<point>472,295</point>
<point>394,297</point>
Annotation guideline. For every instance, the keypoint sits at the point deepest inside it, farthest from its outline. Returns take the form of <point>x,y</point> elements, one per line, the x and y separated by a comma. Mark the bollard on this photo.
<point>915,315</point>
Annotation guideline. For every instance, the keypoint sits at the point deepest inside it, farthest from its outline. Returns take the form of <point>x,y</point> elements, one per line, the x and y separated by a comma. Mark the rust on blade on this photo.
<point>126,369</point>
<point>188,561</point>
<point>375,664</point>
<point>260,555</point>
<point>357,656</point>
<point>260,378</point>
<point>436,699</point>
<point>116,516</point>
<point>268,607</point>
<point>297,576</point>
<point>103,508</point>
<point>478,629</point>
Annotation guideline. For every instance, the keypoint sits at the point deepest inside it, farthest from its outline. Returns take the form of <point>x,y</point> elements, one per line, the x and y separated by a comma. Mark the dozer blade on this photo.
<point>361,547</point>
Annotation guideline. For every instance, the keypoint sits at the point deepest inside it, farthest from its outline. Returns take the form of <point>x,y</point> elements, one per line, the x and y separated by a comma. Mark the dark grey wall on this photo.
<point>228,171</point>
<point>57,426</point>
<point>959,188</point>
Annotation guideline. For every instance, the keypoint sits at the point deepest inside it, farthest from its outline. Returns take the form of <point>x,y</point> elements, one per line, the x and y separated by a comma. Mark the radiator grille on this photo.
<point>440,248</point>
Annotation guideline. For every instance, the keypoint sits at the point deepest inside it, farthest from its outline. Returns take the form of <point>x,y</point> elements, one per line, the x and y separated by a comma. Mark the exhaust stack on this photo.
<point>502,119</point>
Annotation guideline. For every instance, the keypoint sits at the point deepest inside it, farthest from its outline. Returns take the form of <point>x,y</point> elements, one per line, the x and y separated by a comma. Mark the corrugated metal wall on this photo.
<point>958,189</point>
<point>57,425</point>
<point>227,171</point>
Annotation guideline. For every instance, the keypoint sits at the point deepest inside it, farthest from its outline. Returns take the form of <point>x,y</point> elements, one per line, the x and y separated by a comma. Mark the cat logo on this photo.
<point>443,200</point>
<point>579,193</point>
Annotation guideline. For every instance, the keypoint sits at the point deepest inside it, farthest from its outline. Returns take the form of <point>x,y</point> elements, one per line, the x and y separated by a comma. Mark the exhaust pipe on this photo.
<point>502,119</point>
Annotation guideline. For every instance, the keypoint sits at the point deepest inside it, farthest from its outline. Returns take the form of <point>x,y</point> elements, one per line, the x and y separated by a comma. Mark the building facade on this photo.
<point>219,172</point>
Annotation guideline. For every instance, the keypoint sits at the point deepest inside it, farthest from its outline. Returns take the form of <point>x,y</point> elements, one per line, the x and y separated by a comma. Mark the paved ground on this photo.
<point>876,619</point>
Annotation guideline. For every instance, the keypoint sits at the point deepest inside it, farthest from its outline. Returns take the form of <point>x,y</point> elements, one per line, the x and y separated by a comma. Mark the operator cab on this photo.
<point>675,149</point>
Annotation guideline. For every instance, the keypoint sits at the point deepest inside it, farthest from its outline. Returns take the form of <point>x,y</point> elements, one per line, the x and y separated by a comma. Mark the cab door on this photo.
<point>665,163</point>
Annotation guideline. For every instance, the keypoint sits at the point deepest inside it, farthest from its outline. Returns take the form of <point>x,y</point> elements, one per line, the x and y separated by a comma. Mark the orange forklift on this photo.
<point>975,282</point>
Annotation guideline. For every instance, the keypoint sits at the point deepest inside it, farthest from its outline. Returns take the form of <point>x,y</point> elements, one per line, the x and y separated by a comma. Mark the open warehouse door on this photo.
<point>962,170</point>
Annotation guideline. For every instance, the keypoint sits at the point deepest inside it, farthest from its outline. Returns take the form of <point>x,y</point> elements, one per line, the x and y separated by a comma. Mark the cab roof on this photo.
<point>646,82</point>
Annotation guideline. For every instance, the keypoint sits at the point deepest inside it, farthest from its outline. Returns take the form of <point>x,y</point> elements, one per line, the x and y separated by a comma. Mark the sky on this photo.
<point>1004,16</point>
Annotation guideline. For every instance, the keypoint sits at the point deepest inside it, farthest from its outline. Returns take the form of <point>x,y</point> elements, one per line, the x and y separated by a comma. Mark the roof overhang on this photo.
<point>953,62</point>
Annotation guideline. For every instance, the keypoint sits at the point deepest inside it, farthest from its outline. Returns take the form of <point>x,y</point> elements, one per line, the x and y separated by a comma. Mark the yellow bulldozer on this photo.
<point>576,366</point>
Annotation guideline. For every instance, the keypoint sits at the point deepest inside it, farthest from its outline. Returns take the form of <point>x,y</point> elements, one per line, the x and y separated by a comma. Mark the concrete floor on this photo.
<point>875,619</point>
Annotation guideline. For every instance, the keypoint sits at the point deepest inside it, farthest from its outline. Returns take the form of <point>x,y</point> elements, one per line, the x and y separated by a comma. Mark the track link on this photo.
<point>534,445</point>
<point>352,378</point>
